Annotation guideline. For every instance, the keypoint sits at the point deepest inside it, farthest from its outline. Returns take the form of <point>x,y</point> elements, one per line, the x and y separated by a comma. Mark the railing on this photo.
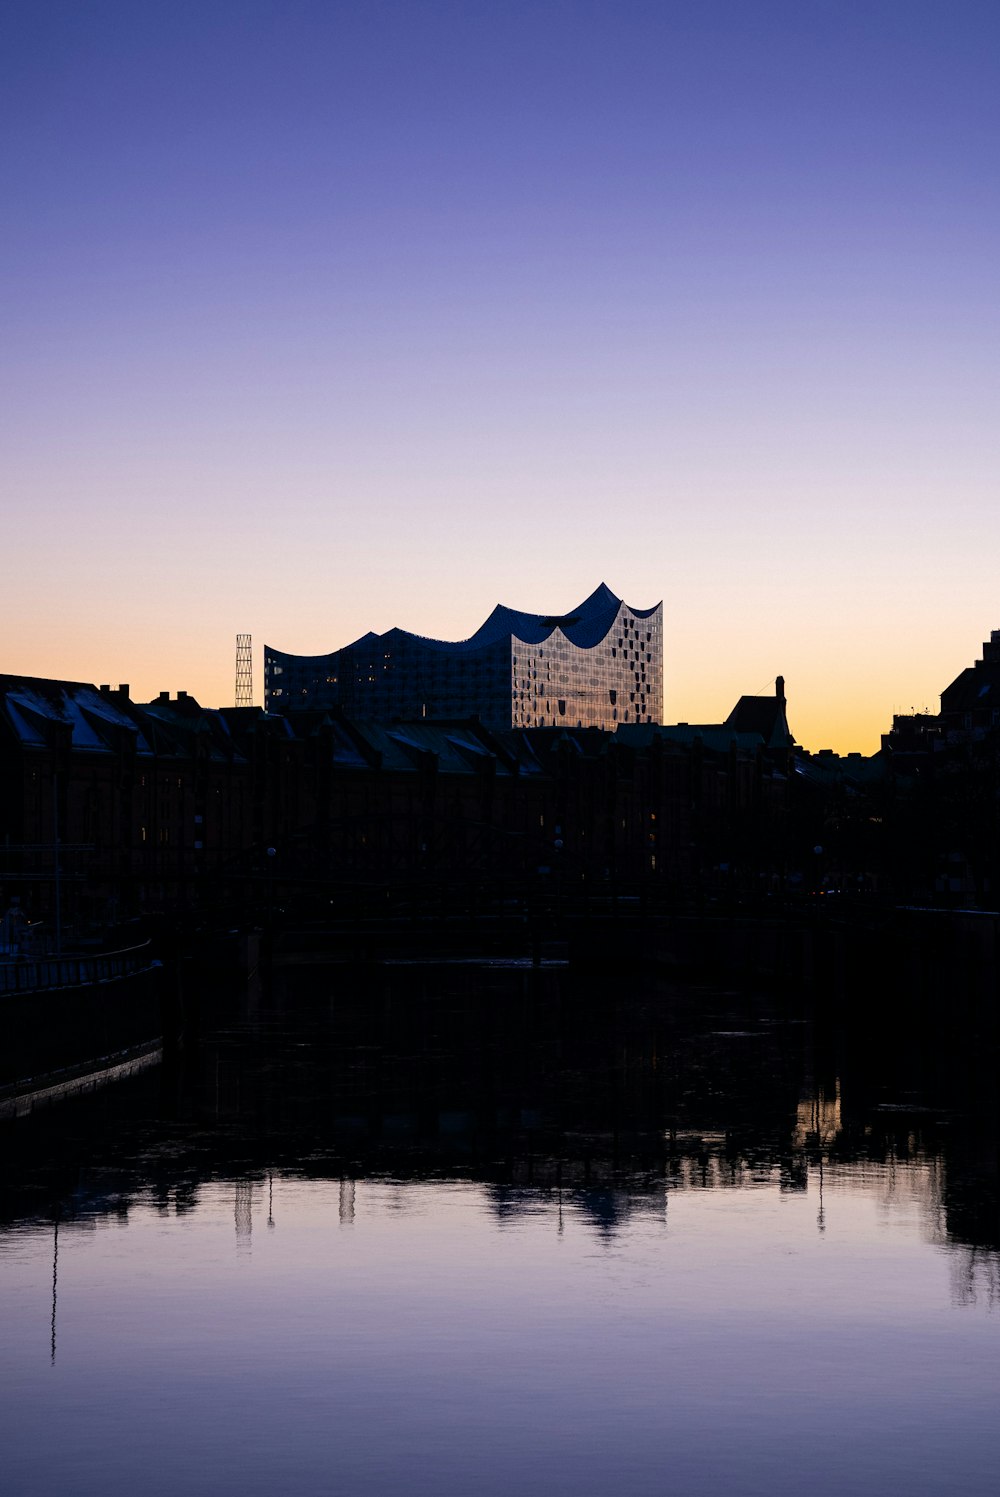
<point>30,974</point>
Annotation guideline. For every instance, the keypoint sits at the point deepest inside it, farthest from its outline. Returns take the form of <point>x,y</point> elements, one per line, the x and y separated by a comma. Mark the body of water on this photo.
<point>432,1230</point>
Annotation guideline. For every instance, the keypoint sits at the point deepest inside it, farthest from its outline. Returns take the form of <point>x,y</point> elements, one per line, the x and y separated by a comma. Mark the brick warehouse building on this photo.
<point>171,805</point>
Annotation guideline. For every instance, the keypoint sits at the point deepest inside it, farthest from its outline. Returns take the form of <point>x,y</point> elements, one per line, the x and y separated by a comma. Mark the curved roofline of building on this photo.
<point>584,626</point>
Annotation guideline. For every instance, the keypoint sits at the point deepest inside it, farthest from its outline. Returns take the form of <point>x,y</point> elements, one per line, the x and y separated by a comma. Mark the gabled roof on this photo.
<point>584,743</point>
<point>755,722</point>
<point>715,736</point>
<point>34,707</point>
<point>454,747</point>
<point>855,771</point>
<point>185,719</point>
<point>764,716</point>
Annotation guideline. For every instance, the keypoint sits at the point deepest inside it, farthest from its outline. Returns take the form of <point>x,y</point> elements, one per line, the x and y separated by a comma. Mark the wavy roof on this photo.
<point>584,627</point>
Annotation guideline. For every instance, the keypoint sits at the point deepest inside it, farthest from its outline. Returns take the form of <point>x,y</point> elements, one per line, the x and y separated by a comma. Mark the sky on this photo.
<point>318,318</point>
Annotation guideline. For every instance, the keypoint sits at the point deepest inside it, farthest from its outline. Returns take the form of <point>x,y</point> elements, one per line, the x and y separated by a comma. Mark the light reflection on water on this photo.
<point>708,1275</point>
<point>392,1336</point>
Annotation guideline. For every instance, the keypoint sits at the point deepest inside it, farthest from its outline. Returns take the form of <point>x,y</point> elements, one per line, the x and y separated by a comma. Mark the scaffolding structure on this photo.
<point>244,671</point>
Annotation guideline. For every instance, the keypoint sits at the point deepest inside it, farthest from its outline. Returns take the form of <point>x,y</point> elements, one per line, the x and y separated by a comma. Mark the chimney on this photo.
<point>779,688</point>
<point>164,696</point>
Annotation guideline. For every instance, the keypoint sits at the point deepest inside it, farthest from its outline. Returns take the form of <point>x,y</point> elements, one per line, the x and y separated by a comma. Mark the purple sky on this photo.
<point>322,317</point>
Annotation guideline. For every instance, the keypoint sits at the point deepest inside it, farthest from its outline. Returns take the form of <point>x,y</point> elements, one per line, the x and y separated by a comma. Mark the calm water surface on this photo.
<point>479,1232</point>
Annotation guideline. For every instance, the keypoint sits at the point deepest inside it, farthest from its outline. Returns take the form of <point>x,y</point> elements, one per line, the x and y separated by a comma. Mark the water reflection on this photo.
<point>346,1202</point>
<point>975,1277</point>
<point>521,1235</point>
<point>537,1085</point>
<point>55,1287</point>
<point>244,1213</point>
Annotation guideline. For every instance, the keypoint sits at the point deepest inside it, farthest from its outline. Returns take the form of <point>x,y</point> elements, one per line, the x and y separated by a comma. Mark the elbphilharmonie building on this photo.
<point>597,666</point>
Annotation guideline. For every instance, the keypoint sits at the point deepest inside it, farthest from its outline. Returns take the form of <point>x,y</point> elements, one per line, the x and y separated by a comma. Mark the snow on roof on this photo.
<point>31,704</point>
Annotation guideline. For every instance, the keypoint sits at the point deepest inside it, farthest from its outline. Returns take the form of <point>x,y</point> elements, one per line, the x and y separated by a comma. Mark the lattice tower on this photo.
<point>244,671</point>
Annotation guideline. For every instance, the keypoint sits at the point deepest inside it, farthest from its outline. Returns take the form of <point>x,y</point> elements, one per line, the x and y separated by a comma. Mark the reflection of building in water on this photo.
<point>704,1171</point>
<point>244,1212</point>
<point>346,1202</point>
<point>904,1183</point>
<point>606,1207</point>
<point>55,1286</point>
<point>975,1276</point>
<point>818,1121</point>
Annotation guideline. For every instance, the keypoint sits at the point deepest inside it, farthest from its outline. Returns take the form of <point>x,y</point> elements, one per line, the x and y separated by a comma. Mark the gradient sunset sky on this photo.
<point>327,317</point>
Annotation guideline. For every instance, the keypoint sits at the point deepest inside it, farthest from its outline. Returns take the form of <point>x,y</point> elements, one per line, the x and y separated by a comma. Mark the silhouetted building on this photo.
<point>763,715</point>
<point>912,741</point>
<point>756,725</point>
<point>597,666</point>
<point>970,706</point>
<point>174,806</point>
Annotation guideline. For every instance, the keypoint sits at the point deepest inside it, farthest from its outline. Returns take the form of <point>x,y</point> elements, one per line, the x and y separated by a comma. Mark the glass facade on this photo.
<point>619,679</point>
<point>597,667</point>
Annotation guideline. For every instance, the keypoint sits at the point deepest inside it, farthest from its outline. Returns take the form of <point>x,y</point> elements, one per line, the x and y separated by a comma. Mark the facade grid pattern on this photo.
<point>598,666</point>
